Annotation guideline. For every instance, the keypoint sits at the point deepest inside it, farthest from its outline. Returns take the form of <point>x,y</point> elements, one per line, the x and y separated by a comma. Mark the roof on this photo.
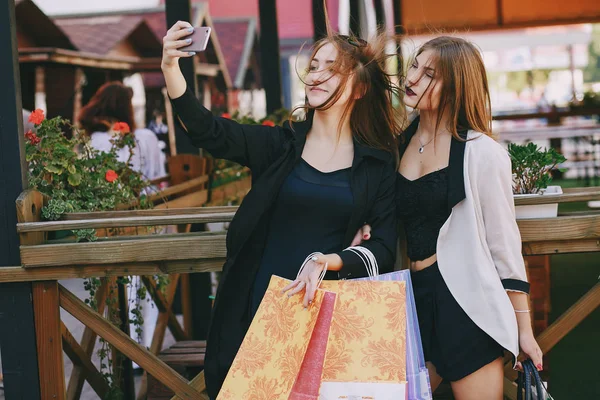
<point>35,24</point>
<point>237,52</point>
<point>232,42</point>
<point>101,34</point>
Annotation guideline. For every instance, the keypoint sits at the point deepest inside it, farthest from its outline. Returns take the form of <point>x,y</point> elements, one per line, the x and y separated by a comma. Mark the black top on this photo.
<point>422,205</point>
<point>271,153</point>
<point>455,179</point>
<point>310,214</point>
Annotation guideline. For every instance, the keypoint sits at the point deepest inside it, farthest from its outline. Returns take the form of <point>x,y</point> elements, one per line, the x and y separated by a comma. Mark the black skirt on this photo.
<point>451,340</point>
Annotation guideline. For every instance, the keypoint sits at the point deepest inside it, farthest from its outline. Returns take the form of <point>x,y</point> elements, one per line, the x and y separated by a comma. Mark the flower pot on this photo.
<point>533,211</point>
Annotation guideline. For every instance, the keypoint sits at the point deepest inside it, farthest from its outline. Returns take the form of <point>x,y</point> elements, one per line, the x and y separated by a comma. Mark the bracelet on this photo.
<point>523,311</point>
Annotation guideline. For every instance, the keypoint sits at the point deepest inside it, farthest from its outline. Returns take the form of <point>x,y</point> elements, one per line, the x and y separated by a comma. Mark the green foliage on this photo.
<point>531,166</point>
<point>74,175</point>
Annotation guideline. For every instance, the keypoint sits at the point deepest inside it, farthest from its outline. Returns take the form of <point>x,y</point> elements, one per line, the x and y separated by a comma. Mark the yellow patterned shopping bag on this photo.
<point>366,350</point>
<point>364,356</point>
<point>269,359</point>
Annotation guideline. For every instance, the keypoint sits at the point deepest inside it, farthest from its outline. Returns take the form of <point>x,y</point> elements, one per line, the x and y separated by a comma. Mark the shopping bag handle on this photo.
<point>367,258</point>
<point>528,378</point>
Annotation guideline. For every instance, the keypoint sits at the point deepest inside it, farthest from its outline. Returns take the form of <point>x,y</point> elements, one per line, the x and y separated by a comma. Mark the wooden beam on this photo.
<point>199,384</point>
<point>48,226</point>
<point>149,213</point>
<point>186,305</point>
<point>49,343</point>
<point>151,250</point>
<point>127,346</point>
<point>560,228</point>
<point>164,306</point>
<point>561,247</point>
<point>189,200</point>
<point>20,274</point>
<point>88,343</point>
<point>179,188</point>
<point>205,69</point>
<point>82,361</point>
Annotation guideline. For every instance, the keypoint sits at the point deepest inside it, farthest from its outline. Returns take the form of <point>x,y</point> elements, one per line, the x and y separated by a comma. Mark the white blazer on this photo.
<point>479,246</point>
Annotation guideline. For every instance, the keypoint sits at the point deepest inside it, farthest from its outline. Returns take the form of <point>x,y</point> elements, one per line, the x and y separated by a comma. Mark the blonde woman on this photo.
<point>454,198</point>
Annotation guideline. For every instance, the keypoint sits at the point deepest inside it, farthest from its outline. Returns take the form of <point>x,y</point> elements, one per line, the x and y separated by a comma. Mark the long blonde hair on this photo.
<point>465,95</point>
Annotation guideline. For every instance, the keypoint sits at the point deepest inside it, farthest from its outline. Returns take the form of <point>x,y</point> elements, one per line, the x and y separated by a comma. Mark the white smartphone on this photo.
<point>199,38</point>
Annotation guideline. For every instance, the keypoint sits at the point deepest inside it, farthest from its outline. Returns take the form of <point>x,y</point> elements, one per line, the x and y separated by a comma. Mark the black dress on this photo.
<point>310,214</point>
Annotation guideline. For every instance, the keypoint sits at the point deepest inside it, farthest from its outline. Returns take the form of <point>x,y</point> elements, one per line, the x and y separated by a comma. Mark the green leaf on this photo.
<point>53,169</point>
<point>74,179</point>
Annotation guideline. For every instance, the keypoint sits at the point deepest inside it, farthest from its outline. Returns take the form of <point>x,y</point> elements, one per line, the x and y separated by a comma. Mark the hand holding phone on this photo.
<point>199,38</point>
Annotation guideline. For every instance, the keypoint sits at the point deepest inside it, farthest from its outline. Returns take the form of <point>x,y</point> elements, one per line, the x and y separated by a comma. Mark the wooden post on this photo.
<point>319,23</point>
<point>355,17</point>
<point>379,13</point>
<point>79,78</point>
<point>40,88</point>
<point>17,329</point>
<point>126,373</point>
<point>45,306</point>
<point>49,339</point>
<point>269,54</point>
<point>170,123</point>
<point>180,10</point>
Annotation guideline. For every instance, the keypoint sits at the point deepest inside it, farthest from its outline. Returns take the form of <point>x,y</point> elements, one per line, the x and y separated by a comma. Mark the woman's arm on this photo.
<point>249,145</point>
<point>494,187</point>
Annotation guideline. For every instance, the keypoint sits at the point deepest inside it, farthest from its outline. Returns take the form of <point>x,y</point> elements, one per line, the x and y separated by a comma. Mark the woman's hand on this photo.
<point>530,347</point>
<point>173,41</point>
<point>362,235</point>
<point>310,276</point>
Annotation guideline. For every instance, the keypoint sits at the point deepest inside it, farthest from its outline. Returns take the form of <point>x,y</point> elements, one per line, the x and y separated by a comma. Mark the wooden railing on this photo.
<point>45,262</point>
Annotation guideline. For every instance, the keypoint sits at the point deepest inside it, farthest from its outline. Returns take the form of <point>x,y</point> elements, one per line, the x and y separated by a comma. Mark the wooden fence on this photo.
<point>45,261</point>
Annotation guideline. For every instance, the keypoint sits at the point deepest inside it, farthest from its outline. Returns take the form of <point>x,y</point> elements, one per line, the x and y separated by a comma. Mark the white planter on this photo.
<point>538,210</point>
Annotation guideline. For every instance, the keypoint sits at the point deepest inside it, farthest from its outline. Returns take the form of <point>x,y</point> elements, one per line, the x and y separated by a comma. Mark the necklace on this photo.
<point>422,148</point>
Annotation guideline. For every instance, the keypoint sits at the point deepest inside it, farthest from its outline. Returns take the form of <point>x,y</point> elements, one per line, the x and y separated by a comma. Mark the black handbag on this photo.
<point>530,384</point>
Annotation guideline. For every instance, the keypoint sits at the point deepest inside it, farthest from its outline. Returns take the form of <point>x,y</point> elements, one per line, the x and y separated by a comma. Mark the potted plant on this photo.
<point>531,167</point>
<point>76,177</point>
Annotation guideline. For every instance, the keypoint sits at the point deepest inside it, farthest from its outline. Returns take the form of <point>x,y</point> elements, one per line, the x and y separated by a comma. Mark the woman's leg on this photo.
<point>485,383</point>
<point>434,378</point>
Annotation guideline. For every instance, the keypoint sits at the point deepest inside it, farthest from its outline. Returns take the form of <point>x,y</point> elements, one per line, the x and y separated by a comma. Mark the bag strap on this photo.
<point>527,380</point>
<point>307,260</point>
<point>367,258</point>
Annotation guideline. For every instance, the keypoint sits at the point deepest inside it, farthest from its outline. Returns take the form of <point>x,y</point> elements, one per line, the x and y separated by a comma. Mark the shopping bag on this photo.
<point>366,350</point>
<point>419,387</point>
<point>309,377</point>
<point>268,362</point>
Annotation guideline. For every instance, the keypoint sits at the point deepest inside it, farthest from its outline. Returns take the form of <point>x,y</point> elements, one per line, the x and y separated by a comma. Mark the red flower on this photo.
<point>111,176</point>
<point>268,122</point>
<point>37,116</point>
<point>121,127</point>
<point>32,137</point>
<point>226,115</point>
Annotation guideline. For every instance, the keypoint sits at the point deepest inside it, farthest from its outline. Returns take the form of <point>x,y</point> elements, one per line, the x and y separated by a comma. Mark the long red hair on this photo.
<point>110,104</point>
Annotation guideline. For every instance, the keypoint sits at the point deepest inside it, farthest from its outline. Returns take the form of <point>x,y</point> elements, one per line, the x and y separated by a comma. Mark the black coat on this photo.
<point>271,153</point>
